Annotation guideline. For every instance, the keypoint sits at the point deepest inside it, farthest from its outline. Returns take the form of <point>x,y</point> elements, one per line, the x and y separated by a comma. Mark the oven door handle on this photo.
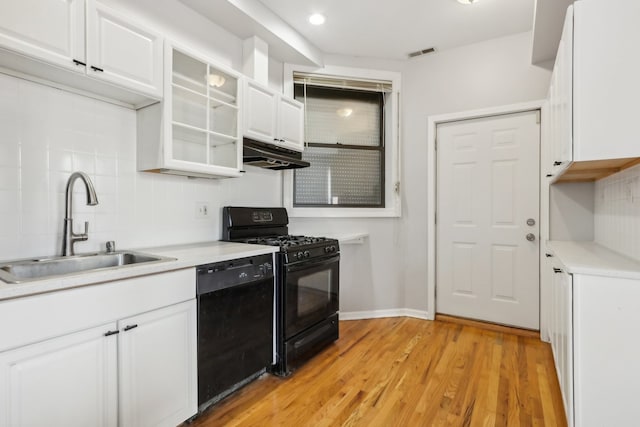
<point>309,264</point>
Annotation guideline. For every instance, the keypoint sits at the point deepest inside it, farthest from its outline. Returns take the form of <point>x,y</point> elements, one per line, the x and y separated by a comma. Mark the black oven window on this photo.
<point>314,292</point>
<point>344,133</point>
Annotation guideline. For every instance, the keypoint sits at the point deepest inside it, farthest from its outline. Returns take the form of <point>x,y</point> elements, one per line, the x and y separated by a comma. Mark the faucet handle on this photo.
<point>86,228</point>
<point>111,246</point>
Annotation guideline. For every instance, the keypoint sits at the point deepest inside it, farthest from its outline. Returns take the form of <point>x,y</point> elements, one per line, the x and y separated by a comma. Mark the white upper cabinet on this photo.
<point>260,110</point>
<point>55,40</point>
<point>561,101</point>
<point>291,123</point>
<point>121,52</point>
<point>196,130</point>
<point>606,85</point>
<point>52,31</point>
<point>594,91</point>
<point>273,118</point>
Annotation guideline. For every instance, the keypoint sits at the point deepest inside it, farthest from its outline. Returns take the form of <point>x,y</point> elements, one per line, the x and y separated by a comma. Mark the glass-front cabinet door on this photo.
<point>204,112</point>
<point>201,134</point>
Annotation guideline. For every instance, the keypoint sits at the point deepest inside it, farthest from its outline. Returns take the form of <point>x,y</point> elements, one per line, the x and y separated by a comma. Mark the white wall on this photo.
<point>571,206</point>
<point>48,133</point>
<point>389,271</point>
<point>487,74</point>
<point>617,209</point>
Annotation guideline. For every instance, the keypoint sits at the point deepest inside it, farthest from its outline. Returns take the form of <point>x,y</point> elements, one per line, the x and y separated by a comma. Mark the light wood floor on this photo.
<point>406,372</point>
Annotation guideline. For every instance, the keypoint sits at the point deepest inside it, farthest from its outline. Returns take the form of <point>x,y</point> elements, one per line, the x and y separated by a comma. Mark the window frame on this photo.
<point>391,191</point>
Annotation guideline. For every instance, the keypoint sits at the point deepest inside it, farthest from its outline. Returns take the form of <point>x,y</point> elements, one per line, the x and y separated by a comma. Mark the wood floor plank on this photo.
<point>406,372</point>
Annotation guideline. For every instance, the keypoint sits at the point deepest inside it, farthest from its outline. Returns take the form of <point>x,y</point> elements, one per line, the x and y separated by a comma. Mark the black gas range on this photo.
<point>307,282</point>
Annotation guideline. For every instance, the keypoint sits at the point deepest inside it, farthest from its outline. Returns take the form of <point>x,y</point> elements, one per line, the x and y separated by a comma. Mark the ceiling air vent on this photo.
<point>422,52</point>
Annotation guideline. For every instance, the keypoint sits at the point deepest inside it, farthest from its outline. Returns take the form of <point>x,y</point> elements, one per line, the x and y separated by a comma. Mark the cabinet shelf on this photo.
<point>220,95</point>
<point>227,138</point>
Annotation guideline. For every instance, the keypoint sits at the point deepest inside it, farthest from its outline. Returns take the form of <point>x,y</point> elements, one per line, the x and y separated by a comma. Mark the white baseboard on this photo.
<point>376,314</point>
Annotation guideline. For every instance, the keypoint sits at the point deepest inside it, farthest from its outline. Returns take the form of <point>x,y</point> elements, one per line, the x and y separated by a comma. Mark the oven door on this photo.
<point>311,293</point>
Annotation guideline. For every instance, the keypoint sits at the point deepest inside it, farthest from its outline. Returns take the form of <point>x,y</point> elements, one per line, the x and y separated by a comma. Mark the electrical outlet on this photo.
<point>202,209</point>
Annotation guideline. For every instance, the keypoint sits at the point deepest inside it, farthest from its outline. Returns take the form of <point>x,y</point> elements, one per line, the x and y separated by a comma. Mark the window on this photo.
<point>344,135</point>
<point>351,141</point>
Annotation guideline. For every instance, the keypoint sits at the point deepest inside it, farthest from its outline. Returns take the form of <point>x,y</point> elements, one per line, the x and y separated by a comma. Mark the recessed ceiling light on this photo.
<point>316,19</point>
<point>468,1</point>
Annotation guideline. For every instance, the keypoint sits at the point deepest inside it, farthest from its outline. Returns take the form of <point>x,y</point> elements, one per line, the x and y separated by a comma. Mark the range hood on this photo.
<point>271,157</point>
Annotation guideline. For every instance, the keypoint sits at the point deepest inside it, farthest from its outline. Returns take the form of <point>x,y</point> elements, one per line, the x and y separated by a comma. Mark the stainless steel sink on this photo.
<point>44,268</point>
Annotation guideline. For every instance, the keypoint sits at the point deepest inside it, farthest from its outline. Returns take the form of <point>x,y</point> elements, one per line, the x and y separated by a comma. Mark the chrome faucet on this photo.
<point>69,238</point>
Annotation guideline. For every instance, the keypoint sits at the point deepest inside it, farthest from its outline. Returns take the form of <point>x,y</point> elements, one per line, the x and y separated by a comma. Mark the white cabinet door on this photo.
<point>562,101</point>
<point>562,334</point>
<point>52,31</point>
<point>291,123</point>
<point>606,84</point>
<point>66,381</point>
<point>260,113</point>
<point>121,52</point>
<point>158,385</point>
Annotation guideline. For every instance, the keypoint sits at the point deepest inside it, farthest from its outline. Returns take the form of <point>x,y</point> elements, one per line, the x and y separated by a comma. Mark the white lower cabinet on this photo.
<point>561,334</point>
<point>594,317</point>
<point>158,373</point>
<point>137,367</point>
<point>67,381</point>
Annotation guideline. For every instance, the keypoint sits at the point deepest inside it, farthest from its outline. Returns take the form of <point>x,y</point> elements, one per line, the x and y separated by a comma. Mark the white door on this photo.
<point>121,52</point>
<point>66,381</point>
<point>291,123</point>
<point>49,30</point>
<point>158,373</point>
<point>487,205</point>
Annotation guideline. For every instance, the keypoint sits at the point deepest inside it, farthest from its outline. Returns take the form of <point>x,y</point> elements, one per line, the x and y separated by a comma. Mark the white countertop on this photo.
<point>594,259</point>
<point>186,256</point>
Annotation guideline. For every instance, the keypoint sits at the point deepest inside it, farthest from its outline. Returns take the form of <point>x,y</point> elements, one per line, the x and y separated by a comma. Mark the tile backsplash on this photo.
<point>617,212</point>
<point>47,133</point>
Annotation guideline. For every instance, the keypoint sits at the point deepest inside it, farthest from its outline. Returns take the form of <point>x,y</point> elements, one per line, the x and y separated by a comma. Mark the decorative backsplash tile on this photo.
<point>46,133</point>
<point>617,212</point>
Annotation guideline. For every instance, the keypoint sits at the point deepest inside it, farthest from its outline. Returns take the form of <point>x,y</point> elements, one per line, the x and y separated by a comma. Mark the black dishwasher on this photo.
<point>235,325</point>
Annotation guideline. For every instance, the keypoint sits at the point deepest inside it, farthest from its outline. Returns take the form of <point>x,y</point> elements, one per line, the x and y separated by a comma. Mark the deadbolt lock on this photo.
<point>531,222</point>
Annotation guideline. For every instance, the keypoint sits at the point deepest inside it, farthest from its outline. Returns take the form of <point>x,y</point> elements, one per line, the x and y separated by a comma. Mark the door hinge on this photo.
<point>538,117</point>
<point>397,187</point>
<point>435,218</point>
<point>436,144</point>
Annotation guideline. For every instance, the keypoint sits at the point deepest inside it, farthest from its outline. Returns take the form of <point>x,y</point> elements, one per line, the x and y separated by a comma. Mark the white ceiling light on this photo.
<point>468,1</point>
<point>317,19</point>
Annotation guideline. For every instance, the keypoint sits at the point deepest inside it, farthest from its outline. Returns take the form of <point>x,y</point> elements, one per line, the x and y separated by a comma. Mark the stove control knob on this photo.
<point>299,255</point>
<point>327,249</point>
<point>333,248</point>
<point>307,254</point>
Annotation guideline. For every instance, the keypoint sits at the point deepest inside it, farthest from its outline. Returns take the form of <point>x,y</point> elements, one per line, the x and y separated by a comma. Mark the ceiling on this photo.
<point>393,29</point>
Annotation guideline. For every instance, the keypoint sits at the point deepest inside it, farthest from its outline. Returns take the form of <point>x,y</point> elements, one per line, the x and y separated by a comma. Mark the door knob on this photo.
<point>531,222</point>
<point>531,237</point>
